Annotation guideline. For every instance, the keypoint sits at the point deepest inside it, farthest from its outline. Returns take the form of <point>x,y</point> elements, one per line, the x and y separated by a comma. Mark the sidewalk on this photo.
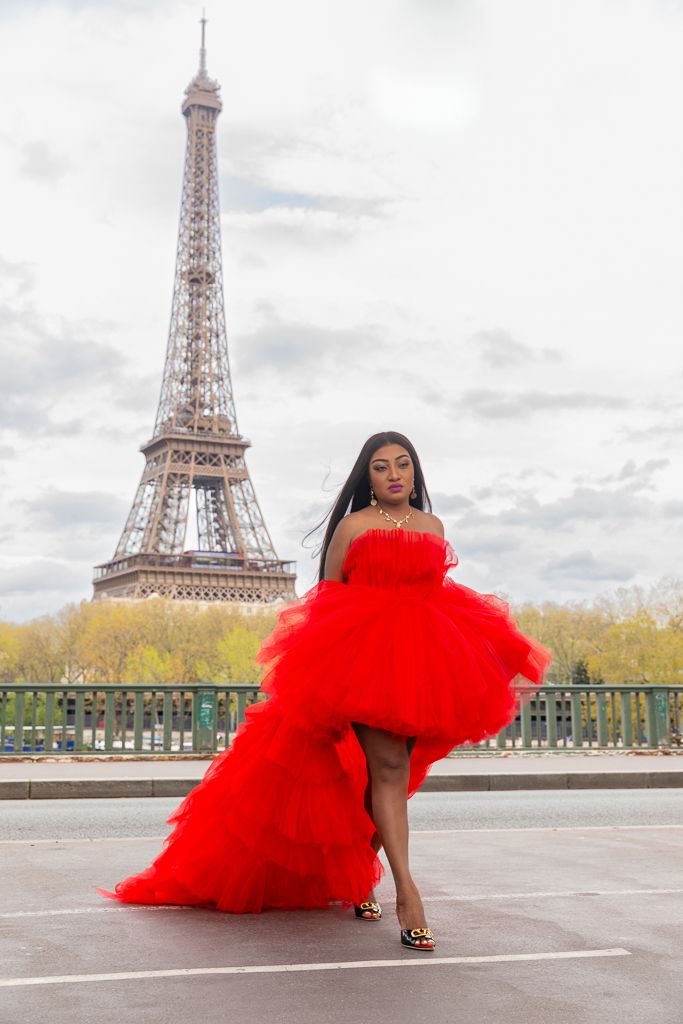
<point>61,779</point>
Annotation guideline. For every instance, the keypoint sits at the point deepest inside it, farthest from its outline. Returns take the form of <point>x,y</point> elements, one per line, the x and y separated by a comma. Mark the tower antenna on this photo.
<point>202,52</point>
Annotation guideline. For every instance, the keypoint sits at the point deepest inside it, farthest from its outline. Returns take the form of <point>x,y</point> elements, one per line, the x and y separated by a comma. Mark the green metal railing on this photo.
<point>575,718</point>
<point>65,721</point>
<point>202,719</point>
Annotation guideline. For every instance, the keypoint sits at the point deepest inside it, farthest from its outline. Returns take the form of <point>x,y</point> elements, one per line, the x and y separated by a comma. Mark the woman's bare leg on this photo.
<point>375,843</point>
<point>388,760</point>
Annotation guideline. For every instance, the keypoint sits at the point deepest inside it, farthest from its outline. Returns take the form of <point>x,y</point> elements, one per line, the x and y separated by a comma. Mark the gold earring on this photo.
<point>413,495</point>
<point>373,499</point>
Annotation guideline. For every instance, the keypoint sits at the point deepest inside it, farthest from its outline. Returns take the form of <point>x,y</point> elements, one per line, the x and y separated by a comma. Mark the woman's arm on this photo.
<point>336,553</point>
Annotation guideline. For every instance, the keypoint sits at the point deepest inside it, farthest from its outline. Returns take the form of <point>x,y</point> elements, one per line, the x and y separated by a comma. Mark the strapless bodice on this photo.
<point>405,562</point>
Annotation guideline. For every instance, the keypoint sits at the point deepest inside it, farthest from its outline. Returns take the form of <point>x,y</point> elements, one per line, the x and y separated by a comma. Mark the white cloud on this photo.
<point>41,163</point>
<point>584,565</point>
<point>426,103</point>
<point>303,350</point>
<point>500,350</point>
<point>38,575</point>
<point>502,405</point>
<point>63,510</point>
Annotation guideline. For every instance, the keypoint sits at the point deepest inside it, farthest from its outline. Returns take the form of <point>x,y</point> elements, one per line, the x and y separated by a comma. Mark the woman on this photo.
<point>377,672</point>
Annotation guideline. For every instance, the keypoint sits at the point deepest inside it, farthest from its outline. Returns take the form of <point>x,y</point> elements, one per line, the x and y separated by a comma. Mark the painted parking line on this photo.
<point>127,908</point>
<point>106,839</point>
<point>535,828</point>
<point>71,979</point>
<point>467,897</point>
<point>413,832</point>
<point>539,895</point>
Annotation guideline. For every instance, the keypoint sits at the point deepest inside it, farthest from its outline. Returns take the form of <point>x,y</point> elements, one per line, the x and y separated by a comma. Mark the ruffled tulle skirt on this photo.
<point>279,820</point>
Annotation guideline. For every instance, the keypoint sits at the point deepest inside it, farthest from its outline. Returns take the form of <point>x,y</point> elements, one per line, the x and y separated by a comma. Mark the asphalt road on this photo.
<point>131,818</point>
<point>548,907</point>
<point>534,926</point>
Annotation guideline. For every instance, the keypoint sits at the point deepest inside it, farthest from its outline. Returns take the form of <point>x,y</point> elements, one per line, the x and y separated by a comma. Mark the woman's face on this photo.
<point>391,474</point>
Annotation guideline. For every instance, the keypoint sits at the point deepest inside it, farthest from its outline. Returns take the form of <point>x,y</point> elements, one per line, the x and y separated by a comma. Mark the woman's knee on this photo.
<point>390,769</point>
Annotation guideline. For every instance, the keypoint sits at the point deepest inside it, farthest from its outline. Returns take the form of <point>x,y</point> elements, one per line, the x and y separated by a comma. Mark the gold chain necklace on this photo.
<point>398,523</point>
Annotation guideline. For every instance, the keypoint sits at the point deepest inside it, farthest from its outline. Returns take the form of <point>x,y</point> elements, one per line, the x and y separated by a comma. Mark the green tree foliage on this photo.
<point>234,658</point>
<point>581,677</point>
<point>629,636</point>
<point>9,652</point>
<point>569,630</point>
<point>124,643</point>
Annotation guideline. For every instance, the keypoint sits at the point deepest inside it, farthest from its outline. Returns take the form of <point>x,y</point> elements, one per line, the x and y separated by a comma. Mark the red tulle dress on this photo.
<point>278,820</point>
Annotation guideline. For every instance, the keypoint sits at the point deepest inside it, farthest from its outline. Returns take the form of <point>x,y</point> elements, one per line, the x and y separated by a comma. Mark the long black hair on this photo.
<point>356,491</point>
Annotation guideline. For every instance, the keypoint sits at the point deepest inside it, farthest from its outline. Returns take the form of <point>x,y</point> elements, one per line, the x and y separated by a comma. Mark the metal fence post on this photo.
<point>205,721</point>
<point>181,721</point>
<point>241,708</point>
<point>214,724</point>
<point>49,722</point>
<point>108,722</point>
<point>550,718</point>
<point>65,715</point>
<point>526,727</point>
<point>661,715</point>
<point>19,723</point>
<point>3,723</point>
<point>650,718</point>
<point>168,721</point>
<point>124,720</point>
<point>79,716</point>
<point>577,720</point>
<point>601,715</point>
<point>626,719</point>
<point>34,720</point>
<point>138,721</point>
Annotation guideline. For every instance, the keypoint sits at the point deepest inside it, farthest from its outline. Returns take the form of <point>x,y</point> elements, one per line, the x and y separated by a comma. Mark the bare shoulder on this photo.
<point>432,524</point>
<point>353,524</point>
<point>348,528</point>
<point>345,528</point>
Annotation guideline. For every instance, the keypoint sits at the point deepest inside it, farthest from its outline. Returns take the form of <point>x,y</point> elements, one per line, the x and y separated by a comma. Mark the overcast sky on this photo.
<point>460,219</point>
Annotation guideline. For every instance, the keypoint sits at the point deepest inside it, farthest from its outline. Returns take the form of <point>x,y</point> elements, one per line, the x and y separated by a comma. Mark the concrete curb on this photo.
<point>89,789</point>
<point>15,789</point>
<point>92,789</point>
<point>499,781</point>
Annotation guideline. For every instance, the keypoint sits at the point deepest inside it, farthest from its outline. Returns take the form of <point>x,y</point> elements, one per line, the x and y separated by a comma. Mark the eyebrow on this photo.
<point>406,456</point>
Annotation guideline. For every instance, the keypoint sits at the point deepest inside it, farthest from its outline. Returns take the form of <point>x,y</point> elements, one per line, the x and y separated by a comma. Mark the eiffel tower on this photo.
<point>197,450</point>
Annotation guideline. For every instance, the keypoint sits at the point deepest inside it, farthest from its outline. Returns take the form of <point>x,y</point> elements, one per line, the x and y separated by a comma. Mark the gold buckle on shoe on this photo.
<point>421,933</point>
<point>369,906</point>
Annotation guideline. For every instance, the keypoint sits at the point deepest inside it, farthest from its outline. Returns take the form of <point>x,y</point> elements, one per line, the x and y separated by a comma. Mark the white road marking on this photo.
<point>538,895</point>
<point>469,897</point>
<point>413,831</point>
<point>66,979</point>
<point>112,839</point>
<point>545,828</point>
<point>98,910</point>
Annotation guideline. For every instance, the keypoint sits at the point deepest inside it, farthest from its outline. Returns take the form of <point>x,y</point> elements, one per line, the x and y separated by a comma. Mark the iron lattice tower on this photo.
<point>197,448</point>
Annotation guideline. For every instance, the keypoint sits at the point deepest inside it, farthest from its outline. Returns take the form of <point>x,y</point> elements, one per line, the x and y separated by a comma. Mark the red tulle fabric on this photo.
<point>278,820</point>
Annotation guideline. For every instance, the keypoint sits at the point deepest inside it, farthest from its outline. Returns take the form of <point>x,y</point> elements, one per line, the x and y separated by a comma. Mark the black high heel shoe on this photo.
<point>368,906</point>
<point>412,936</point>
